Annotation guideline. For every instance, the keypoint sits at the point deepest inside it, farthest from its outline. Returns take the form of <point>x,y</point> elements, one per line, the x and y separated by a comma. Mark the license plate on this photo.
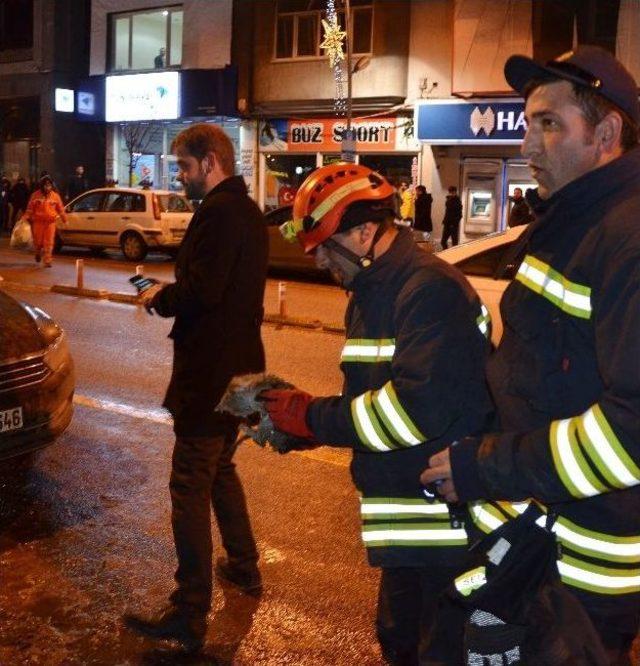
<point>11,419</point>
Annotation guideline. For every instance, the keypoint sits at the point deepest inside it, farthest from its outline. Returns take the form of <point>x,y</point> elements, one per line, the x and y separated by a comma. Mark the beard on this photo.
<point>196,188</point>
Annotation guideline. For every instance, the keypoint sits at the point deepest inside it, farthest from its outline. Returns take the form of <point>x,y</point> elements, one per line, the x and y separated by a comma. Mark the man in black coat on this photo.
<point>520,212</point>
<point>452,217</point>
<point>423,210</point>
<point>77,185</point>
<point>217,304</point>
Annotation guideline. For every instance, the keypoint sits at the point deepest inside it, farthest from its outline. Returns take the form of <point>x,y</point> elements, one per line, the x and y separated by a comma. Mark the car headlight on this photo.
<point>57,352</point>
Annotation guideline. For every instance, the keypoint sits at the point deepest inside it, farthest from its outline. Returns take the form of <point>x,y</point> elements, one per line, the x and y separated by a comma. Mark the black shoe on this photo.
<point>172,623</point>
<point>250,584</point>
<point>37,257</point>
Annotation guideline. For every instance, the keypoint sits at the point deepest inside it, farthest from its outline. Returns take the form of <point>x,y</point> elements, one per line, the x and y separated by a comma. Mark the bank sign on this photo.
<point>470,122</point>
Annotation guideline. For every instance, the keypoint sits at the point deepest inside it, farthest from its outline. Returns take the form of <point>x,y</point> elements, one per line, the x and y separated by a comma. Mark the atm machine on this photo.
<point>482,181</point>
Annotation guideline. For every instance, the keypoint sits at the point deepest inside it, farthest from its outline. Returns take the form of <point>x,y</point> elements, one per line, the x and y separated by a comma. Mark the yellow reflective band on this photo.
<point>401,508</point>
<point>368,430</point>
<point>337,196</point>
<point>415,534</point>
<point>484,321</point>
<point>395,418</point>
<point>471,580</point>
<point>601,580</point>
<point>360,350</point>
<point>585,442</point>
<point>570,297</point>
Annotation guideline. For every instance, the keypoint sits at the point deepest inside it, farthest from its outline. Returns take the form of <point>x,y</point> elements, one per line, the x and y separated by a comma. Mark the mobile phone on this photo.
<point>142,283</point>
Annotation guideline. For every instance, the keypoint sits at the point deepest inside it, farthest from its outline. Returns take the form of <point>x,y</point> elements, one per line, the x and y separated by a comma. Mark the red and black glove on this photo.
<point>287,409</point>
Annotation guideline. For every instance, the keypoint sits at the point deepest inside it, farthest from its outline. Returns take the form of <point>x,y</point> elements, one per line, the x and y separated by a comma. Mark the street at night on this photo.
<point>86,532</point>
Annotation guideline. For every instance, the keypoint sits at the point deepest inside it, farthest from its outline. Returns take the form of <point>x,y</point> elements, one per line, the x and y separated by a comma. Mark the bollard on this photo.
<point>80,273</point>
<point>282,299</point>
<point>139,269</point>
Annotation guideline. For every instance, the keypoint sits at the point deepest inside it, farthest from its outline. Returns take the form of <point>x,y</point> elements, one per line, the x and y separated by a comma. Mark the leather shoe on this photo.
<point>189,629</point>
<point>249,583</point>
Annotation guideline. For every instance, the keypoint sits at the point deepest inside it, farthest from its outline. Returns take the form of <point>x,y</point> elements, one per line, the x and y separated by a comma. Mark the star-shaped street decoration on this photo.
<point>332,43</point>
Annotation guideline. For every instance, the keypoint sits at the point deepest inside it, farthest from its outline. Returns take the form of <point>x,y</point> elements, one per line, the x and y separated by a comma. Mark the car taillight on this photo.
<point>156,206</point>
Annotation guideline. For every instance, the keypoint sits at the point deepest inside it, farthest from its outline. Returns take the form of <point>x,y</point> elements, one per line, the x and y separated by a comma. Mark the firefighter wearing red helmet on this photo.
<point>413,364</point>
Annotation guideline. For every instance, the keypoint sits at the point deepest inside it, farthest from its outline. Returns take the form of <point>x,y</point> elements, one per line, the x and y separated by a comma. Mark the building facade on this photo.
<point>43,46</point>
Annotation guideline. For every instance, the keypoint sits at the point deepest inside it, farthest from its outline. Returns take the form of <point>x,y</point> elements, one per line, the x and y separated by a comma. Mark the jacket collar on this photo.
<point>234,184</point>
<point>581,194</point>
<point>395,256</point>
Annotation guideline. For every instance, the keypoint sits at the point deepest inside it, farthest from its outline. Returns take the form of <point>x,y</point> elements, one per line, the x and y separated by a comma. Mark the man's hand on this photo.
<point>147,296</point>
<point>439,470</point>
<point>287,409</point>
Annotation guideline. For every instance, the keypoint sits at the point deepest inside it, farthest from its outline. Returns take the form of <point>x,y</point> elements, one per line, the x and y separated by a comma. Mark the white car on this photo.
<point>135,220</point>
<point>489,268</point>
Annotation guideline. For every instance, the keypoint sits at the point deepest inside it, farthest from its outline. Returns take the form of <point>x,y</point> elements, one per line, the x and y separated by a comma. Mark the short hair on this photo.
<point>517,189</point>
<point>452,188</point>
<point>594,108</point>
<point>203,138</point>
<point>421,188</point>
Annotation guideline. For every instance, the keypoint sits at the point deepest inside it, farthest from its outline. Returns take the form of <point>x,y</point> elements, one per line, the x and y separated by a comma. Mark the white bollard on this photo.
<point>282,299</point>
<point>139,269</point>
<point>80,273</point>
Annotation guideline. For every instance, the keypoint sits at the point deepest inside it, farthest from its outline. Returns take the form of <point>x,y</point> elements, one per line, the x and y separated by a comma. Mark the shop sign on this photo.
<point>326,135</point>
<point>479,121</point>
<point>64,100</point>
<point>132,97</point>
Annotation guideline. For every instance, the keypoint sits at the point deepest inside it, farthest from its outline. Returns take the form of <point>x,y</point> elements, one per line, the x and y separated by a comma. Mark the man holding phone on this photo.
<point>216,300</point>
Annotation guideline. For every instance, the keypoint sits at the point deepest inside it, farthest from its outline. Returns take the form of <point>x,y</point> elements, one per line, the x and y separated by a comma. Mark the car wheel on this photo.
<point>57,243</point>
<point>133,246</point>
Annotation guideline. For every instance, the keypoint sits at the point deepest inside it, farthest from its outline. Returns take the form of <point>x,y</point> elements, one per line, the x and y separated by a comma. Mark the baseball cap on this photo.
<point>588,66</point>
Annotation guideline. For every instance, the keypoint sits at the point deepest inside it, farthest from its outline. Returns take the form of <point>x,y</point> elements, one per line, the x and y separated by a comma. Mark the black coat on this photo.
<point>423,212</point>
<point>519,213</point>
<point>217,304</point>
<point>452,210</point>
<point>76,186</point>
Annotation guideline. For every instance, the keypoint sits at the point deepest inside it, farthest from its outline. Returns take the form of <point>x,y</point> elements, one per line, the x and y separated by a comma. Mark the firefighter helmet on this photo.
<point>324,197</point>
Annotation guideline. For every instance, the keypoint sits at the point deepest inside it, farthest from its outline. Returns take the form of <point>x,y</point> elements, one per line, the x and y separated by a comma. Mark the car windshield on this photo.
<point>174,203</point>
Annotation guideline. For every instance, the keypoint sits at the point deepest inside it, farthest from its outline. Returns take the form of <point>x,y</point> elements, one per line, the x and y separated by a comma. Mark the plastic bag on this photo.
<point>21,238</point>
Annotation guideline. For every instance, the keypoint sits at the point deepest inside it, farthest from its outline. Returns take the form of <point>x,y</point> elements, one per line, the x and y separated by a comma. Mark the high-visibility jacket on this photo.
<point>413,365</point>
<point>44,208</point>
<point>566,381</point>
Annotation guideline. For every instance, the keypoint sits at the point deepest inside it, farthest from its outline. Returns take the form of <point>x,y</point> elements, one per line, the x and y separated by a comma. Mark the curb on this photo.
<point>132,299</point>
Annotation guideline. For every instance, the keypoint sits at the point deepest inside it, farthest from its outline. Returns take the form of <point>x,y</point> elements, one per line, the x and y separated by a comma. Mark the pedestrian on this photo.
<point>18,198</point>
<point>423,210</point>
<point>407,210</point>
<point>413,365</point>
<point>216,300</point>
<point>565,375</point>
<point>5,217</point>
<point>77,184</point>
<point>44,207</point>
<point>520,212</point>
<point>452,217</point>
<point>159,60</point>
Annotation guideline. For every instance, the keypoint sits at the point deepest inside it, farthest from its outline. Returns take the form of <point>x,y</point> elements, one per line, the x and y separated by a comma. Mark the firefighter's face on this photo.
<point>342,269</point>
<point>193,174</point>
<point>559,144</point>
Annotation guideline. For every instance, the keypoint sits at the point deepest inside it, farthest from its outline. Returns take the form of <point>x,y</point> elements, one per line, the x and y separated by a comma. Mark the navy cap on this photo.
<point>588,66</point>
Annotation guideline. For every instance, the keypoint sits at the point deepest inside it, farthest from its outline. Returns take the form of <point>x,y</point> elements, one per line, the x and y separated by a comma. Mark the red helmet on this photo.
<point>325,195</point>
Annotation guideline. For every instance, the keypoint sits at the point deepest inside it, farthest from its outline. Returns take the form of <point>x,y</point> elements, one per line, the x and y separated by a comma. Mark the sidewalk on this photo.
<point>308,304</point>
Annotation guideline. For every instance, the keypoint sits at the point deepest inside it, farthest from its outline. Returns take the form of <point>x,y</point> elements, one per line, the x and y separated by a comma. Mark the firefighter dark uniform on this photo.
<point>413,365</point>
<point>566,381</point>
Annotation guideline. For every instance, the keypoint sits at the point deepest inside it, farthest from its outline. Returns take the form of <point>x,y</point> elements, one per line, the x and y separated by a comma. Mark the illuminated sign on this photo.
<point>154,96</point>
<point>86,103</point>
<point>471,122</point>
<point>64,100</point>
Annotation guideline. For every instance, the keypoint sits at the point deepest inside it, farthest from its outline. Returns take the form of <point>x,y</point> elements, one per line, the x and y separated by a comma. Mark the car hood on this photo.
<point>19,335</point>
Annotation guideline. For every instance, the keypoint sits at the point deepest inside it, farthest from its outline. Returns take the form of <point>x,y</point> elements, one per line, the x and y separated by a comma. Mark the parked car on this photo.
<point>134,220</point>
<point>489,268</point>
<point>36,378</point>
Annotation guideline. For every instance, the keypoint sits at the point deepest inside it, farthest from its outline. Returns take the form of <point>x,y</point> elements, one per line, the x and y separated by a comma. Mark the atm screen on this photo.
<point>480,204</point>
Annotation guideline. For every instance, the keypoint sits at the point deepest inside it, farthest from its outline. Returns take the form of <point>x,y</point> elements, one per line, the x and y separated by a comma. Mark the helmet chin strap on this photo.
<point>363,261</point>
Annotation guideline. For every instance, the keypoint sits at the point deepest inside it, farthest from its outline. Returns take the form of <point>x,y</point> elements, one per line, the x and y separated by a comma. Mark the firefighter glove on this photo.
<point>287,409</point>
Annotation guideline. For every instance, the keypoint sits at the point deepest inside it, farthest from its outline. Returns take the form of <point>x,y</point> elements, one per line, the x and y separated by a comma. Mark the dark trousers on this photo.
<point>203,474</point>
<point>408,601</point>
<point>452,231</point>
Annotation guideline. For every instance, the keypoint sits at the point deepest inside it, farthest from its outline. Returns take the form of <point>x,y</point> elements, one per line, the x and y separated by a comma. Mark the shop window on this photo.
<point>299,32</point>
<point>16,24</point>
<point>147,39</point>
<point>284,175</point>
